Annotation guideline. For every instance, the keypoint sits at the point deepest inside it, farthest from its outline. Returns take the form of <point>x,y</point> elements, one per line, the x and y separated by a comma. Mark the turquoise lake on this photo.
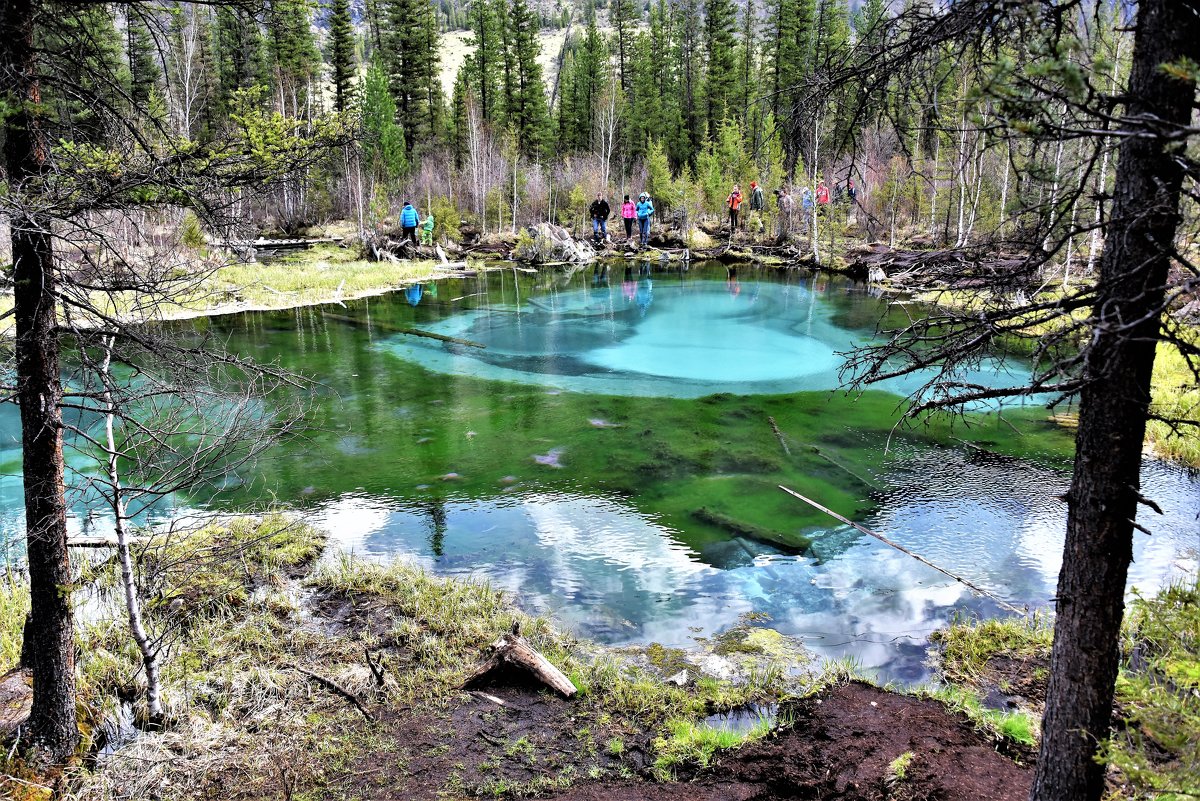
<point>608,456</point>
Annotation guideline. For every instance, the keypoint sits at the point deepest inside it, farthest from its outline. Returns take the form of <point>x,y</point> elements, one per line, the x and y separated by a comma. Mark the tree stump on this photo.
<point>512,651</point>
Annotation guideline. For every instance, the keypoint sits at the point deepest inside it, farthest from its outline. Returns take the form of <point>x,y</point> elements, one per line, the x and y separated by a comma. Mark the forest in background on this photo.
<point>680,98</point>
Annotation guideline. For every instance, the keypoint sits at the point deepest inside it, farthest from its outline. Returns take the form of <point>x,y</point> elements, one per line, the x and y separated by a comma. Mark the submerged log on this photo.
<point>514,651</point>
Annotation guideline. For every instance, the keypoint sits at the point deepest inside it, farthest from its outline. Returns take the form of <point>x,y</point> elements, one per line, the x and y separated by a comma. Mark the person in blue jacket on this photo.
<point>409,220</point>
<point>644,211</point>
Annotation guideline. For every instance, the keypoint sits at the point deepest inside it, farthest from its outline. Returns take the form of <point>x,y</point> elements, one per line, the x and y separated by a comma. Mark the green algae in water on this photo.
<point>574,479</point>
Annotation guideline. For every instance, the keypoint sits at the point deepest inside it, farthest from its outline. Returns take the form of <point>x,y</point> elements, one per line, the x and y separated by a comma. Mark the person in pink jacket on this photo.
<point>628,214</point>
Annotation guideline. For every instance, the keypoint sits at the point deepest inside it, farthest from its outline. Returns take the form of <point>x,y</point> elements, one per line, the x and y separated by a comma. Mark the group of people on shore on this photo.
<point>809,202</point>
<point>639,212</point>
<point>642,210</point>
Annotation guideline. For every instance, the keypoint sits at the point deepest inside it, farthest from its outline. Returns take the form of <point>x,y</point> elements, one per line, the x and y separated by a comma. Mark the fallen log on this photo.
<point>512,651</point>
<point>399,329</point>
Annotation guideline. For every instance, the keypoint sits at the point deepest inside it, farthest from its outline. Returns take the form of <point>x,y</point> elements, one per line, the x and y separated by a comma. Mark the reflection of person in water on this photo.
<point>413,294</point>
<point>645,292</point>
<point>735,288</point>
<point>628,288</point>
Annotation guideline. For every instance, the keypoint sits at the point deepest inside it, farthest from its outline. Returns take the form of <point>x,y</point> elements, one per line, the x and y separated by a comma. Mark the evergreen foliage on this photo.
<point>341,54</point>
<point>383,139</point>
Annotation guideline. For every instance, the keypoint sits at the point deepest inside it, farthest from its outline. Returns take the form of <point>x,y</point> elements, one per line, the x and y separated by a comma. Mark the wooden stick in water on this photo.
<point>778,435</point>
<point>902,549</point>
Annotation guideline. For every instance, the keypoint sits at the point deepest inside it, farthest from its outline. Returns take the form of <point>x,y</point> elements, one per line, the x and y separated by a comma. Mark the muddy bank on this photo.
<point>853,741</point>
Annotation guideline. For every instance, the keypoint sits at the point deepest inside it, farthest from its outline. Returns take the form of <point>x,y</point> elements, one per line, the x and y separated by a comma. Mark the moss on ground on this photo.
<point>1155,746</point>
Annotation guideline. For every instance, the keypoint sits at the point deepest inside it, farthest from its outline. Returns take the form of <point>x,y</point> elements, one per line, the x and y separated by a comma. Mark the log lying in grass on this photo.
<point>512,651</point>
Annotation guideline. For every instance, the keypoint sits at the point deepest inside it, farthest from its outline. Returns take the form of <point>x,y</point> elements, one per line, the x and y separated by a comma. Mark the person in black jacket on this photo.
<point>599,211</point>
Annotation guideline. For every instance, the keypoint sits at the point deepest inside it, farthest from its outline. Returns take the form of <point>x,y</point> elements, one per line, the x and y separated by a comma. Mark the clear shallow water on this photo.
<point>640,333</point>
<point>568,460</point>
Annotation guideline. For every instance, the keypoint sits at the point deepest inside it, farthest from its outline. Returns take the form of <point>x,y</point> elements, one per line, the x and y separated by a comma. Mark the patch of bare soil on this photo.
<point>497,741</point>
<point>843,745</point>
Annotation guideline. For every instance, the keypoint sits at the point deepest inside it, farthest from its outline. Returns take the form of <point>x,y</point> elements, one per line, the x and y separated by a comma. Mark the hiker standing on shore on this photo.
<point>644,209</point>
<point>628,214</point>
<point>822,194</point>
<point>409,220</point>
<point>734,202</point>
<point>787,204</point>
<point>599,211</point>
<point>807,207</point>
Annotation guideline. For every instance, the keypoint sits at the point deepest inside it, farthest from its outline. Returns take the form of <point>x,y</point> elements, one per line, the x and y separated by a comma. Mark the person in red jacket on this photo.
<point>822,194</point>
<point>734,202</point>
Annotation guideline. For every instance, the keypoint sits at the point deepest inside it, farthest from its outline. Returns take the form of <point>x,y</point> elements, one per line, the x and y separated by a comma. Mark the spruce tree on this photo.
<point>383,139</point>
<point>238,51</point>
<point>720,21</point>
<point>96,89</point>
<point>293,53</point>
<point>459,117</point>
<point>689,68</point>
<point>579,86</point>
<point>141,54</point>
<point>788,62</point>
<point>624,15</point>
<point>528,116</point>
<point>486,61</point>
<point>411,53</point>
<point>341,53</point>
<point>747,67</point>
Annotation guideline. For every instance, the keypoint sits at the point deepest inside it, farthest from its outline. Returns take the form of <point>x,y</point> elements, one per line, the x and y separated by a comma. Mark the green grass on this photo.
<point>319,274</point>
<point>966,647</point>
<point>1019,726</point>
<point>1176,395</point>
<point>898,768</point>
<point>687,743</point>
<point>14,605</point>
<point>1157,746</point>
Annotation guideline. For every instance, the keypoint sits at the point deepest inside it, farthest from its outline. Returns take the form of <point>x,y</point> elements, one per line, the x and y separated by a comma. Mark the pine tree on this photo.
<point>624,15</point>
<point>720,20</point>
<point>341,53</point>
<point>239,55</point>
<point>689,69</point>
<point>294,56</point>
<point>411,53</point>
<point>528,117</point>
<point>383,139</point>
<point>141,54</point>
<point>486,61</point>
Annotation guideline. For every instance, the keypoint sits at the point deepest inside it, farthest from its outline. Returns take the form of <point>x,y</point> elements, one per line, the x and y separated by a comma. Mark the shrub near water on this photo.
<point>1157,745</point>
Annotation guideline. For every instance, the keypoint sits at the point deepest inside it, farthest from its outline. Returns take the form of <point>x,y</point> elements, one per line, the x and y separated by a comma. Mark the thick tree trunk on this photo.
<point>49,630</point>
<point>1112,414</point>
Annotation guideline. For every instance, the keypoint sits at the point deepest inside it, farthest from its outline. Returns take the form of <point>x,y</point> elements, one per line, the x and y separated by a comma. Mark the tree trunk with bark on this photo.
<point>49,629</point>
<point>1103,499</point>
